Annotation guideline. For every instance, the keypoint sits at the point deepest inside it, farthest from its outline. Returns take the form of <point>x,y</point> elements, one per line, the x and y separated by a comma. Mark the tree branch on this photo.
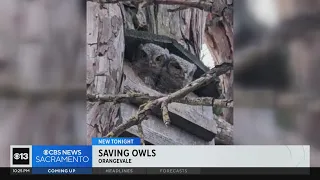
<point>165,113</point>
<point>204,80</point>
<point>200,4</point>
<point>141,98</point>
<point>145,109</point>
<point>225,132</point>
<point>141,135</point>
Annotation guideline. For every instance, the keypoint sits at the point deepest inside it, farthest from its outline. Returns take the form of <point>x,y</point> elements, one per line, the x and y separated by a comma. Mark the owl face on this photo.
<point>175,69</point>
<point>158,60</point>
<point>181,68</point>
<point>153,57</point>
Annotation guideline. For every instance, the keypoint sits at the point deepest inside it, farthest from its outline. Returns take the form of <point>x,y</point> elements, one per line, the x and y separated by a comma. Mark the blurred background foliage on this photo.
<point>277,60</point>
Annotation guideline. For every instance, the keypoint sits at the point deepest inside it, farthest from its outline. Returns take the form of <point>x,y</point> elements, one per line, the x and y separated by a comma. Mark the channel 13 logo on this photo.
<point>20,156</point>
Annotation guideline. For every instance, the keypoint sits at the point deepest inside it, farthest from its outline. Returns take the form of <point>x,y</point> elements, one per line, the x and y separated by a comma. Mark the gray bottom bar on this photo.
<point>256,171</point>
<point>204,171</point>
<point>173,171</point>
<point>122,171</point>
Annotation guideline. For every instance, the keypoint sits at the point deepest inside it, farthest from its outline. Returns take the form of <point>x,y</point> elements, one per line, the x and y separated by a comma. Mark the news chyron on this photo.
<point>50,159</point>
<point>123,155</point>
<point>118,155</point>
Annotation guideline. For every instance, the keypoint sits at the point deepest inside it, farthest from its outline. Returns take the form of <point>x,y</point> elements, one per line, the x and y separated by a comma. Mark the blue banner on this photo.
<point>61,156</point>
<point>116,141</point>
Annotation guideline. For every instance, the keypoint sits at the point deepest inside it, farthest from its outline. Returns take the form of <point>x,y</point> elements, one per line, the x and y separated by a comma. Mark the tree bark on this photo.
<point>105,53</point>
<point>186,26</point>
<point>219,39</point>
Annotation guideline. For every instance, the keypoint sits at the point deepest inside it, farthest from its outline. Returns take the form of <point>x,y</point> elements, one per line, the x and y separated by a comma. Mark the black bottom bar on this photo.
<point>162,171</point>
<point>20,171</point>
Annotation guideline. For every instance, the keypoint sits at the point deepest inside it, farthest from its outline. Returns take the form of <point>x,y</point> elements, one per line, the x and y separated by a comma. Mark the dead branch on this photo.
<point>204,80</point>
<point>165,113</point>
<point>200,4</point>
<point>141,98</point>
<point>146,108</point>
<point>225,132</point>
<point>141,135</point>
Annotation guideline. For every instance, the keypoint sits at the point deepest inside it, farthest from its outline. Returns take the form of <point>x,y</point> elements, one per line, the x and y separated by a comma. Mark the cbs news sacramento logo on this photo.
<point>20,156</point>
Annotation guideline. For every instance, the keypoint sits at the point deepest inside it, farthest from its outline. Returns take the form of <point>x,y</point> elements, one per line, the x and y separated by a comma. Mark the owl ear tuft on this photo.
<point>167,51</point>
<point>140,46</point>
<point>141,51</point>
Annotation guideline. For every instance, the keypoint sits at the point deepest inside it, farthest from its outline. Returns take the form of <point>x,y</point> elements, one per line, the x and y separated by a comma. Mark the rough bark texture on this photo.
<point>186,26</point>
<point>105,53</point>
<point>219,39</point>
<point>42,49</point>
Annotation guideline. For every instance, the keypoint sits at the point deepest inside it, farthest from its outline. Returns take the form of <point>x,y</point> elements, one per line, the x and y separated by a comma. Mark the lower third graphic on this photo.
<point>20,156</point>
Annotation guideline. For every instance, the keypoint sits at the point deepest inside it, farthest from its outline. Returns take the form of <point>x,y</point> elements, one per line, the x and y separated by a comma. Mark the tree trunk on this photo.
<point>219,39</point>
<point>105,53</point>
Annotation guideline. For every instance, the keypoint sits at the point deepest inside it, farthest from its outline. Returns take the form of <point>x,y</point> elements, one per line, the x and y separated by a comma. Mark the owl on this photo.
<point>161,70</point>
<point>149,61</point>
<point>176,74</point>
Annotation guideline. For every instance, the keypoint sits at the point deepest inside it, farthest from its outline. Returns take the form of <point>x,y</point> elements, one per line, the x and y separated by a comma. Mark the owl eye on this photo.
<point>160,58</point>
<point>176,65</point>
